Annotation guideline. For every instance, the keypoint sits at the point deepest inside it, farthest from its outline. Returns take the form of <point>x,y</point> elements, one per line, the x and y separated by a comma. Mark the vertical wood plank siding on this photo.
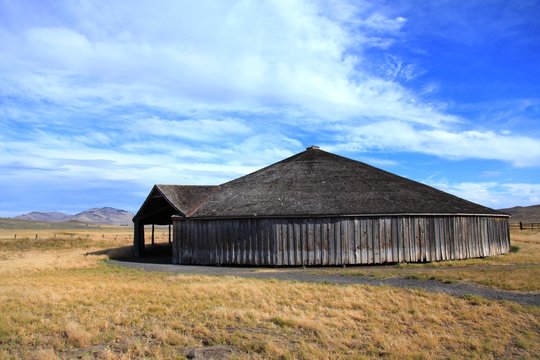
<point>337,241</point>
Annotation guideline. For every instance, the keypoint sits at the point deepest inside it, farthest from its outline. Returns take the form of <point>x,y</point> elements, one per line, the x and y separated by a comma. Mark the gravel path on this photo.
<point>299,274</point>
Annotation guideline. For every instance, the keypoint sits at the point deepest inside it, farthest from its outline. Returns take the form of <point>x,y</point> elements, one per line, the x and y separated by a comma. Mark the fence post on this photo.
<point>520,225</point>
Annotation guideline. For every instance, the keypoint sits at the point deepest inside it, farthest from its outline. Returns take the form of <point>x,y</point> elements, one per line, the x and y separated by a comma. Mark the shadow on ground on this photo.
<point>154,254</point>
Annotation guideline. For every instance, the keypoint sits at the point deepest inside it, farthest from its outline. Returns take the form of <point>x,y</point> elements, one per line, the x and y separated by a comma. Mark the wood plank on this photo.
<point>445,243</point>
<point>382,241</point>
<point>316,241</point>
<point>216,242</point>
<point>186,242</point>
<point>319,240</point>
<point>337,239</point>
<point>445,249</point>
<point>430,241</point>
<point>437,240</point>
<point>262,231</point>
<point>456,235</point>
<point>351,235</point>
<point>249,241</point>
<point>375,240</point>
<point>442,242</point>
<point>204,241</point>
<point>331,242</point>
<point>412,241</point>
<point>279,243</point>
<point>475,227</point>
<point>343,241</point>
<point>357,242</point>
<point>467,238</point>
<point>295,241</point>
<point>363,241</point>
<point>371,251</point>
<point>290,242</point>
<point>388,242</point>
<point>208,230</point>
<point>303,243</point>
<point>174,248</point>
<point>325,236</point>
<point>238,246</point>
<point>400,245</point>
<point>178,235</point>
<point>272,250</point>
<point>195,243</point>
<point>459,235</point>
<point>394,250</point>
<point>311,243</point>
<point>324,240</point>
<point>485,238</point>
<point>428,238</point>
<point>421,245</point>
<point>285,241</point>
<point>230,241</point>
<point>241,241</point>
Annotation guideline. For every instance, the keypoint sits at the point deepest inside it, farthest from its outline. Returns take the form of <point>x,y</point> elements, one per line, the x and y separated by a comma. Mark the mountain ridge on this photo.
<point>103,215</point>
<point>526,214</point>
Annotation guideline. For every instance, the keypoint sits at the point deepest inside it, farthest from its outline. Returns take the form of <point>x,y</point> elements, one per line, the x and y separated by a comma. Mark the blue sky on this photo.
<point>99,100</point>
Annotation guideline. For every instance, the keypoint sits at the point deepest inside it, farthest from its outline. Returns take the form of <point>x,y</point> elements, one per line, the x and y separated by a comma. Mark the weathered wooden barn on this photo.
<point>318,208</point>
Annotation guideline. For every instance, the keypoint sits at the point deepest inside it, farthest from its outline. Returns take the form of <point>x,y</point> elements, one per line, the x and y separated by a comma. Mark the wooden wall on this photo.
<point>338,241</point>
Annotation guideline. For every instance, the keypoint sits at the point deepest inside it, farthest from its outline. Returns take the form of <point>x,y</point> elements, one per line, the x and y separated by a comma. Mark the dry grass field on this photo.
<point>60,299</point>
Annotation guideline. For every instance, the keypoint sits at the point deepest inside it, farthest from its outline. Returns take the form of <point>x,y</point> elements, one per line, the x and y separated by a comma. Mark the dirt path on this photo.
<point>299,274</point>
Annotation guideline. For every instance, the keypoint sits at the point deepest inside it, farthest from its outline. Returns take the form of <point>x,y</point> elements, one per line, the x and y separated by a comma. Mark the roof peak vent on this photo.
<point>313,147</point>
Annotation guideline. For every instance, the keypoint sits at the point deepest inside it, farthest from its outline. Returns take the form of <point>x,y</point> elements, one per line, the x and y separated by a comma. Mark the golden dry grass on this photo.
<point>57,301</point>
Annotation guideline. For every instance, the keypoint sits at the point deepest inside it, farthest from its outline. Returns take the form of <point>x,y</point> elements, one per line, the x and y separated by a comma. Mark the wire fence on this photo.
<point>525,226</point>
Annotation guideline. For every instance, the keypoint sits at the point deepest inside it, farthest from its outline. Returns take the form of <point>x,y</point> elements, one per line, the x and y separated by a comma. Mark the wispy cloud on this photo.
<point>493,194</point>
<point>521,151</point>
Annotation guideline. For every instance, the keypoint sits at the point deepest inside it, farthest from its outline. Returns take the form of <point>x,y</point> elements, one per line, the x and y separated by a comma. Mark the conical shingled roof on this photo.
<point>315,182</point>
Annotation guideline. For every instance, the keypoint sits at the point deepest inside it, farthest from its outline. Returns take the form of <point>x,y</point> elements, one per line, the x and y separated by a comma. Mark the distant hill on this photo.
<point>44,216</point>
<point>105,215</point>
<point>527,214</point>
<point>12,223</point>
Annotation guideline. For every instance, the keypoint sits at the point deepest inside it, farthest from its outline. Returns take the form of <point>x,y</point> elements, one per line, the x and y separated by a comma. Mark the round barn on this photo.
<point>318,208</point>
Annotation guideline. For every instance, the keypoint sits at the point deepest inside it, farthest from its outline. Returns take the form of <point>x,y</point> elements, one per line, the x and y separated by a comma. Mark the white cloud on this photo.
<point>181,56</point>
<point>204,130</point>
<point>380,22</point>
<point>213,57</point>
<point>493,194</point>
<point>520,151</point>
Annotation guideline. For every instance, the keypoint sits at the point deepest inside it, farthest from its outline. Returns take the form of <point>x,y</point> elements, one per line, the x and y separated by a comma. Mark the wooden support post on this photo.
<point>152,234</point>
<point>169,233</point>
<point>138,239</point>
